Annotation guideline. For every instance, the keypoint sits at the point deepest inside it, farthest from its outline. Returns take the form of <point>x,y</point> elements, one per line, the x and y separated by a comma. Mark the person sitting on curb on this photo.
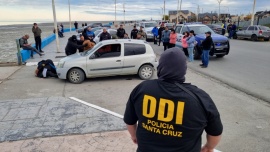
<point>27,46</point>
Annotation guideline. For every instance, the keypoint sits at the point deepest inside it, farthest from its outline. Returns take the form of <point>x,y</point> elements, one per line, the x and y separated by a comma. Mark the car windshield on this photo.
<point>150,24</point>
<point>91,50</point>
<point>97,32</point>
<point>264,28</point>
<point>200,29</point>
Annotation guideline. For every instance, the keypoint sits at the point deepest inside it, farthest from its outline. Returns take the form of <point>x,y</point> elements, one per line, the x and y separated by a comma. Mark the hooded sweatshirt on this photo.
<point>172,65</point>
<point>72,45</point>
<point>162,105</point>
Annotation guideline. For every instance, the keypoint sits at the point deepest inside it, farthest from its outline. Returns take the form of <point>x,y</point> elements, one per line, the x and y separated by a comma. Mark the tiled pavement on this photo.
<point>54,116</point>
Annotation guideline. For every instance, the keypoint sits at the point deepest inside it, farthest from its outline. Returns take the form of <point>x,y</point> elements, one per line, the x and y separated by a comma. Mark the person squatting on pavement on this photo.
<point>165,37</point>
<point>120,32</point>
<point>206,44</point>
<point>37,34</point>
<point>72,46</point>
<point>171,114</point>
<point>27,46</point>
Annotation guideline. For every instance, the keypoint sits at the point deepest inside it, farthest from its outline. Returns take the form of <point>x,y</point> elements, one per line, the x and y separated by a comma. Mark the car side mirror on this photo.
<point>93,56</point>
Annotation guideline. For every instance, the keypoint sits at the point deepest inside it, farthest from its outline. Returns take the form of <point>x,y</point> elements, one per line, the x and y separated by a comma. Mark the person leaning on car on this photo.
<point>206,44</point>
<point>134,32</point>
<point>168,115</point>
<point>105,35</point>
<point>120,32</point>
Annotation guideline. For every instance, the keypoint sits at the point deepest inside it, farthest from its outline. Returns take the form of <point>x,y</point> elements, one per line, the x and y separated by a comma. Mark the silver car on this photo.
<point>147,27</point>
<point>98,32</point>
<point>254,33</point>
<point>109,58</point>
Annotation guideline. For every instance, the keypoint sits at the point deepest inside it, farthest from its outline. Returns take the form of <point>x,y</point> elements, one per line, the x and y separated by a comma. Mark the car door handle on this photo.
<point>118,60</point>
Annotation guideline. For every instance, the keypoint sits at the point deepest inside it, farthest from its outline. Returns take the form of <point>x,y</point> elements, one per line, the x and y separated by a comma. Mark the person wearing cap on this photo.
<point>37,34</point>
<point>206,44</point>
<point>72,46</point>
<point>120,32</point>
<point>169,115</point>
<point>134,32</point>
<point>160,30</point>
<point>27,46</point>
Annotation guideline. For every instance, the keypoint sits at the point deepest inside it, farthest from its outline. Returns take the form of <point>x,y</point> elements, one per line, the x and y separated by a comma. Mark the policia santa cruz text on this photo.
<point>171,114</point>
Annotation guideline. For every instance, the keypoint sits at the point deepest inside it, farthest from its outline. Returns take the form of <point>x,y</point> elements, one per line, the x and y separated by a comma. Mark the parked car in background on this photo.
<point>92,25</point>
<point>221,46</point>
<point>93,30</point>
<point>147,27</point>
<point>216,28</point>
<point>169,25</point>
<point>109,58</point>
<point>254,33</point>
<point>98,32</point>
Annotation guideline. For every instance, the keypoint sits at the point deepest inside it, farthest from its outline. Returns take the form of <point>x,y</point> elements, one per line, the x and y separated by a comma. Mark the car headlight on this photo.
<point>61,64</point>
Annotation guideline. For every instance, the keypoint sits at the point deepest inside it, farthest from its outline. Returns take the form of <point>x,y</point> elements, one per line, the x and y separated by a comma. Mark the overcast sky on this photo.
<point>99,10</point>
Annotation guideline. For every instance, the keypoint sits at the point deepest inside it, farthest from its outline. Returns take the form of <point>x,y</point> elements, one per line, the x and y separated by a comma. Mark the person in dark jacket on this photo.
<point>37,34</point>
<point>72,45</point>
<point>105,35</point>
<point>232,31</point>
<point>76,25</point>
<point>120,32</point>
<point>134,33</point>
<point>206,44</point>
<point>160,33</point>
<point>27,46</point>
<point>169,115</point>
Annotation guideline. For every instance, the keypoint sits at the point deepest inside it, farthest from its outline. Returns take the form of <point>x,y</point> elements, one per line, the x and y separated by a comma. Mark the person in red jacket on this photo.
<point>184,43</point>
<point>173,37</point>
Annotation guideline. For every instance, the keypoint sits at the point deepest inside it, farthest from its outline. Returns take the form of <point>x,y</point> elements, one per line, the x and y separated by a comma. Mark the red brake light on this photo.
<point>260,32</point>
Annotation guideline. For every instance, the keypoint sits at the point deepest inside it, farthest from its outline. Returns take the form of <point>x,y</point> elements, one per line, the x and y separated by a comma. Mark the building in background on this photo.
<point>208,18</point>
<point>183,16</point>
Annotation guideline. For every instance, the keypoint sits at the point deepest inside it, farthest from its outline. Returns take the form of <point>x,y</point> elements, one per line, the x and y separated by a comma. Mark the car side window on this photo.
<point>184,29</point>
<point>244,28</point>
<point>108,51</point>
<point>134,49</point>
<point>255,28</point>
<point>251,28</point>
<point>178,29</point>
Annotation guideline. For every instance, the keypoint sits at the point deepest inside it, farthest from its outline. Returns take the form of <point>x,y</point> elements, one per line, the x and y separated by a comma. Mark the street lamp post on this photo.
<point>69,17</point>
<point>198,11</point>
<point>164,11</point>
<point>219,1</point>
<point>177,12</point>
<point>124,14</point>
<point>252,17</point>
<point>114,11</point>
<point>55,27</point>
<point>180,8</point>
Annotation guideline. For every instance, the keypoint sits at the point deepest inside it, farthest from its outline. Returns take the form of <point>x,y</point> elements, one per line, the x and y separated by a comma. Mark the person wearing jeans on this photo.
<point>165,37</point>
<point>37,34</point>
<point>206,44</point>
<point>191,43</point>
<point>27,46</point>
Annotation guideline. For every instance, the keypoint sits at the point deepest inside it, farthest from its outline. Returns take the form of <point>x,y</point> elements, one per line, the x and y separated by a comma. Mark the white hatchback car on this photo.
<point>109,58</point>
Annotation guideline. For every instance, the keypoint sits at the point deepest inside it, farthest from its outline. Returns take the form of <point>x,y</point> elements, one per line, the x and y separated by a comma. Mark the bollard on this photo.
<point>19,52</point>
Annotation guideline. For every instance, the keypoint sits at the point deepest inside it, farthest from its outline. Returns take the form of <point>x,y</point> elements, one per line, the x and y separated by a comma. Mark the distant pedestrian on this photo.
<point>126,36</point>
<point>155,34</point>
<point>82,25</point>
<point>27,46</point>
<point>62,28</point>
<point>160,30</point>
<point>141,32</point>
<point>72,46</point>
<point>173,37</point>
<point>105,35</point>
<point>37,34</point>
<point>76,25</point>
<point>165,37</point>
<point>206,44</point>
<point>120,32</point>
<point>134,33</point>
<point>184,42</point>
<point>85,24</point>
<point>232,31</point>
<point>191,44</point>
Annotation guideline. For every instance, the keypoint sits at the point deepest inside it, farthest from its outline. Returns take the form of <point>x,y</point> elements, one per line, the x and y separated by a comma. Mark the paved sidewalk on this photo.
<point>54,116</point>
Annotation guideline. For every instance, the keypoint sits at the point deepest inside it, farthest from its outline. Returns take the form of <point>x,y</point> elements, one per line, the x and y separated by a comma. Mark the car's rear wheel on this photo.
<point>76,76</point>
<point>197,54</point>
<point>266,39</point>
<point>254,37</point>
<point>146,72</point>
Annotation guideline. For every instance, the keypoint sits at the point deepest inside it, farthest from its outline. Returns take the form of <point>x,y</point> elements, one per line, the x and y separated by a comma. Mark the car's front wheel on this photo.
<point>197,54</point>
<point>266,39</point>
<point>254,37</point>
<point>146,72</point>
<point>76,76</point>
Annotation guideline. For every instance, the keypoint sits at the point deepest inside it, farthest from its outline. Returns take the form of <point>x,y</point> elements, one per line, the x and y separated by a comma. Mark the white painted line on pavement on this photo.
<point>97,107</point>
<point>35,63</point>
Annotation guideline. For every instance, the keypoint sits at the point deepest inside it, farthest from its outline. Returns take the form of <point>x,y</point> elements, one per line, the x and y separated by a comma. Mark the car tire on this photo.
<point>235,36</point>
<point>254,37</point>
<point>266,39</point>
<point>76,76</point>
<point>197,54</point>
<point>220,55</point>
<point>146,72</point>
